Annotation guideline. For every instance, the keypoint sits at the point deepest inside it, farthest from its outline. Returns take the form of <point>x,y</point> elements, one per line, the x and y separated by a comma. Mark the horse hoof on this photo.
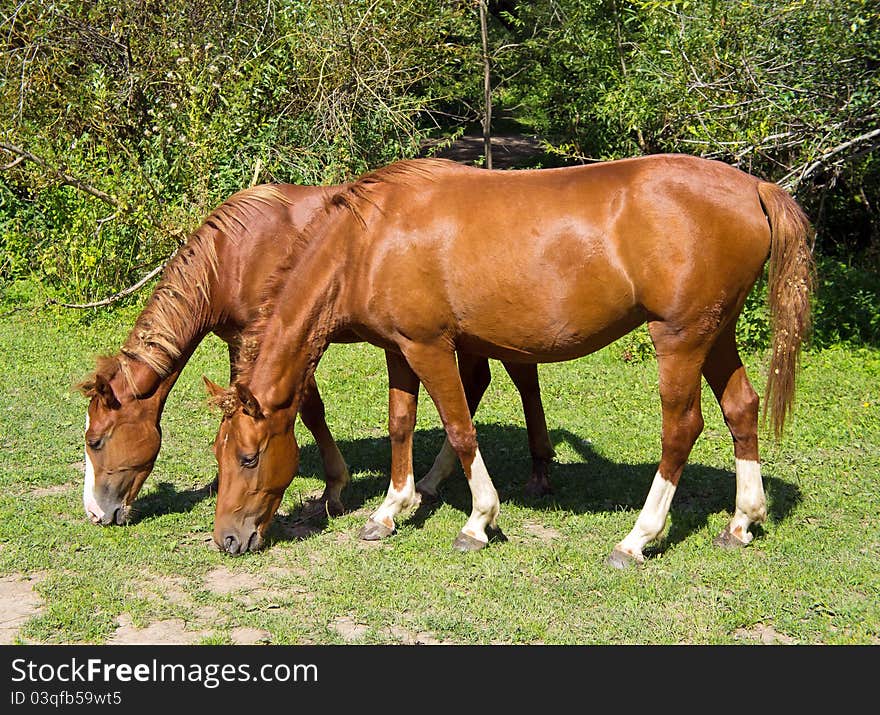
<point>335,507</point>
<point>374,531</point>
<point>465,542</point>
<point>621,560</point>
<point>726,540</point>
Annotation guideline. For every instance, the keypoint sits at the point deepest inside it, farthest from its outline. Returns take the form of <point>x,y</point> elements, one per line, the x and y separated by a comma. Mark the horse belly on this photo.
<point>549,312</point>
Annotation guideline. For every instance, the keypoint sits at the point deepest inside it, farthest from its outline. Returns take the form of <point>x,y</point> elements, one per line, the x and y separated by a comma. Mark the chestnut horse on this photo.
<point>214,283</point>
<point>425,257</point>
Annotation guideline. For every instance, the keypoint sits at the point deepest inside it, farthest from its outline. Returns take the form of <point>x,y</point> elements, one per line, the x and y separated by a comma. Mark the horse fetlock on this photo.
<point>427,490</point>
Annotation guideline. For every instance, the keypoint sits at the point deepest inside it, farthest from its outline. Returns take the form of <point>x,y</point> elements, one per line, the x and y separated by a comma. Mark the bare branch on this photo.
<point>121,294</point>
<point>71,180</point>
<point>62,176</point>
<point>806,170</point>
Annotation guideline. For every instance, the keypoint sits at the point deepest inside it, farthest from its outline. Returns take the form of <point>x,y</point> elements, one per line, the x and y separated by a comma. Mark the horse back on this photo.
<point>578,256</point>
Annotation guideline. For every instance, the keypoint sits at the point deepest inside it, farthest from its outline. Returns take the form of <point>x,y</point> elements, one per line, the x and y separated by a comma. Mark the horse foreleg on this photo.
<point>525,378</point>
<point>738,400</point>
<point>435,365</point>
<point>682,424</point>
<point>336,475</point>
<point>475,378</point>
<point>403,397</point>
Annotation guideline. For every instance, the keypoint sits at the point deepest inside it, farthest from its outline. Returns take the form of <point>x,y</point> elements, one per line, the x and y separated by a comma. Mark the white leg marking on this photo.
<point>484,499</point>
<point>396,502</point>
<point>93,511</point>
<point>444,464</point>
<point>751,506</point>
<point>651,519</point>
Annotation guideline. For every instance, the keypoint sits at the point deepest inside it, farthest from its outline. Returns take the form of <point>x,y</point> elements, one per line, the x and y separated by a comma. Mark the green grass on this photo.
<point>811,576</point>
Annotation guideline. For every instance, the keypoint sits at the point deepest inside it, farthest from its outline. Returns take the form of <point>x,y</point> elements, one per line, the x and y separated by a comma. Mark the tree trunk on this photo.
<point>487,88</point>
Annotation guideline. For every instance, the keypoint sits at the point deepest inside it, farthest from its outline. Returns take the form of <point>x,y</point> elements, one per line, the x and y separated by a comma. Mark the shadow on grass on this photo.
<point>593,485</point>
<point>167,499</point>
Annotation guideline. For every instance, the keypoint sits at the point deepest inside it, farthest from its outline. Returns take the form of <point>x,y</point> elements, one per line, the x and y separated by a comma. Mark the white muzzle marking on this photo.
<point>94,512</point>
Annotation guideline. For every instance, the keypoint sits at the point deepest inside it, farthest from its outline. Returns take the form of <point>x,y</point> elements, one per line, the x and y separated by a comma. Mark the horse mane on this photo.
<point>354,198</point>
<point>180,305</point>
<point>403,172</point>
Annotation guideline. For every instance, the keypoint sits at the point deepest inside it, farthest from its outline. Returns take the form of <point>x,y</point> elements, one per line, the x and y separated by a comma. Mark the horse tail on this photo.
<point>791,281</point>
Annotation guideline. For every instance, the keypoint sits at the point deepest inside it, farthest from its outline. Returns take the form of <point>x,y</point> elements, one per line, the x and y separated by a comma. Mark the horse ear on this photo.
<point>104,392</point>
<point>250,404</point>
<point>214,390</point>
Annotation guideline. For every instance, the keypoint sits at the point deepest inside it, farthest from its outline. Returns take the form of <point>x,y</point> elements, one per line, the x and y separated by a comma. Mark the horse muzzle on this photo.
<point>236,542</point>
<point>106,517</point>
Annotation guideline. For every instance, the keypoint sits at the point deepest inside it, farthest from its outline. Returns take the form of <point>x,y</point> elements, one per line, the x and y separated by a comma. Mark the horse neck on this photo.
<point>296,334</point>
<point>182,309</point>
<point>136,380</point>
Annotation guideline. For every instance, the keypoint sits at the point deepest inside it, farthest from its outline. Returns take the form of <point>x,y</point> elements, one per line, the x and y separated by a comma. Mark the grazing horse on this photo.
<point>424,257</point>
<point>213,284</point>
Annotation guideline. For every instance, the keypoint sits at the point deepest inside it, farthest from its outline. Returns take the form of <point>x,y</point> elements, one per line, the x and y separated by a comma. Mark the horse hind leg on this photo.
<point>738,400</point>
<point>475,378</point>
<point>525,378</point>
<point>682,424</point>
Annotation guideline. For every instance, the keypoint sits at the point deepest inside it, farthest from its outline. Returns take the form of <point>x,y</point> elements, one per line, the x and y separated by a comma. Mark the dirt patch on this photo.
<point>408,637</point>
<point>252,590</point>
<point>349,629</point>
<point>250,636</point>
<point>540,532</point>
<point>763,633</point>
<point>53,490</point>
<point>169,589</point>
<point>170,632</point>
<point>223,582</point>
<point>18,604</point>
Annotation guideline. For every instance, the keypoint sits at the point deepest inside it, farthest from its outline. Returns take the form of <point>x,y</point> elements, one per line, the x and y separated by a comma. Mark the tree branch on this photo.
<point>62,176</point>
<point>121,294</point>
<point>806,170</point>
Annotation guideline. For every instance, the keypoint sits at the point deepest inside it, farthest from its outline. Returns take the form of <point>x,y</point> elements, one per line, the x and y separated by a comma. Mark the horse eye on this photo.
<point>95,443</point>
<point>249,461</point>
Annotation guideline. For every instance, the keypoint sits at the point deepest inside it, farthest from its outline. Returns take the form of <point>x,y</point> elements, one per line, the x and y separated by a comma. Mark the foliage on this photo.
<point>171,108</point>
<point>787,90</point>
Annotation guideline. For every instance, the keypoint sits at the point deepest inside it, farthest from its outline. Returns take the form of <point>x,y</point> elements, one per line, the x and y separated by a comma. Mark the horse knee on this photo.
<point>463,440</point>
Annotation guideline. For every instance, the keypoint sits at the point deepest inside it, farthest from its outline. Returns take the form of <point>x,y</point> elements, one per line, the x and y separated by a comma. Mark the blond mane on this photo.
<point>180,305</point>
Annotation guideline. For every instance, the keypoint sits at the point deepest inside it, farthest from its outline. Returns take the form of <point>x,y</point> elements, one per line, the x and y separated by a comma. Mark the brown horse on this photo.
<point>425,257</point>
<point>214,283</point>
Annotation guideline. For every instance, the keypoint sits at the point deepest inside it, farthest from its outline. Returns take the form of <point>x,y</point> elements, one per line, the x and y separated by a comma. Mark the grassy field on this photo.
<point>811,576</point>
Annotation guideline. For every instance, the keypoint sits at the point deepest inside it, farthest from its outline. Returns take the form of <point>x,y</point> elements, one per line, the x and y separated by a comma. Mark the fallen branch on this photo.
<point>71,180</point>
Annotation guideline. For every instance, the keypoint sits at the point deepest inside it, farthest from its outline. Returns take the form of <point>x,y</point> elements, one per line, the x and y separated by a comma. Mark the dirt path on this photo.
<point>508,152</point>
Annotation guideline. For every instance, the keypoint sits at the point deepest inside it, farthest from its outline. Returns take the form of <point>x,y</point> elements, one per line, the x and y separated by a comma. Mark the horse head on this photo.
<point>257,455</point>
<point>122,441</point>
